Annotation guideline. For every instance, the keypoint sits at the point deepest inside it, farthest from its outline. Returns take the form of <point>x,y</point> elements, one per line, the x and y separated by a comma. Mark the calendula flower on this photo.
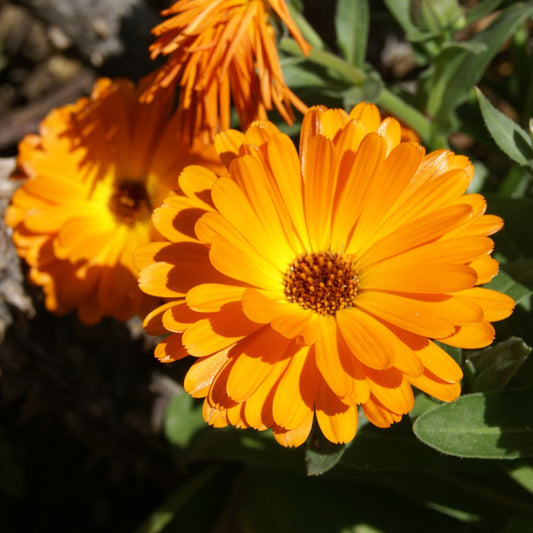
<point>317,282</point>
<point>220,51</point>
<point>93,175</point>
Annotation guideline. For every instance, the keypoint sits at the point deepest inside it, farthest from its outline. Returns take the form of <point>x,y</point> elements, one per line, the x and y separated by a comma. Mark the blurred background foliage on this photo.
<point>95,435</point>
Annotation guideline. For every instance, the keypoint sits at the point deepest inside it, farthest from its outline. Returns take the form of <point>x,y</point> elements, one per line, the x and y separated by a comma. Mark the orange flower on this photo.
<point>219,49</point>
<point>95,172</point>
<point>312,284</point>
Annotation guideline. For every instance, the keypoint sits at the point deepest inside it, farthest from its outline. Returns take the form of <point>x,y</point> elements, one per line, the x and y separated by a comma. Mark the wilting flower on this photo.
<point>312,284</point>
<point>94,173</point>
<point>222,50</point>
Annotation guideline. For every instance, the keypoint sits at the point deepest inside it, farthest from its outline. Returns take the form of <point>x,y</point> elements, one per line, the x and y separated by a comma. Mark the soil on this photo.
<point>81,444</point>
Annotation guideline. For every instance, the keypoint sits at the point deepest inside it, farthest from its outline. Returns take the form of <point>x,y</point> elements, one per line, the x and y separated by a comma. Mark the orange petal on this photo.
<point>319,186</point>
<point>366,338</point>
<point>328,359</point>
<point>418,278</point>
<point>258,408</point>
<point>295,395</point>
<point>298,325</point>
<point>436,387</point>
<point>406,313</point>
<point>170,349</point>
<point>495,305</point>
<point>391,389</point>
<point>378,414</point>
<point>471,336</point>
<point>153,321</point>
<point>211,297</point>
<point>337,421</point>
<point>262,309</point>
<point>415,232</point>
<point>221,329</point>
<point>255,357</point>
<point>486,268</point>
<point>214,417</point>
<point>294,437</point>
<point>244,264</point>
<point>178,317</point>
<point>202,373</point>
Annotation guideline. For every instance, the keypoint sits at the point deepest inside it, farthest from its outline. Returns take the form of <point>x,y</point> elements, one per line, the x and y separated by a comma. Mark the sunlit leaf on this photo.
<point>507,134</point>
<point>492,425</point>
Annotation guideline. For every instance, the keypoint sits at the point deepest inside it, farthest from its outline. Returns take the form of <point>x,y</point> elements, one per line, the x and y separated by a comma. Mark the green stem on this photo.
<point>408,114</point>
<point>387,99</point>
<point>326,59</point>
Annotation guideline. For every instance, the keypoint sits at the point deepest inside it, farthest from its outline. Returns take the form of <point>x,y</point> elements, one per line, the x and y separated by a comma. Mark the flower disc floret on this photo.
<point>325,282</point>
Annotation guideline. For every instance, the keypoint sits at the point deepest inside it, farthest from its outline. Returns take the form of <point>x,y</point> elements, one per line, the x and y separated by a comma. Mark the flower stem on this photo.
<point>387,99</point>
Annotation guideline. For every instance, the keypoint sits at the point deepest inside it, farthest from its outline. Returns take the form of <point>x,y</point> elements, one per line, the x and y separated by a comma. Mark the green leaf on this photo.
<point>457,70</point>
<point>521,472</point>
<point>394,449</point>
<point>352,18</point>
<point>183,419</point>
<point>508,135</point>
<point>505,283</point>
<point>492,425</point>
<point>302,75</point>
<point>497,364</point>
<point>321,454</point>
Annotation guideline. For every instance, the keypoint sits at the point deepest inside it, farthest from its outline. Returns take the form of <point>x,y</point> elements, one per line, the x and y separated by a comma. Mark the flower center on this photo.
<point>325,282</point>
<point>129,202</point>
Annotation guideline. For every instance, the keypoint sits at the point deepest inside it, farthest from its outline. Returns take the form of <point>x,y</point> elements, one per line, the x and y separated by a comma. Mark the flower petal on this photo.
<point>337,421</point>
<point>254,359</point>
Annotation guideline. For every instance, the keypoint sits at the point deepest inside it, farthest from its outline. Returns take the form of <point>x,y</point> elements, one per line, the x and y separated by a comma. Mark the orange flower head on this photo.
<point>93,175</point>
<point>219,50</point>
<point>316,282</point>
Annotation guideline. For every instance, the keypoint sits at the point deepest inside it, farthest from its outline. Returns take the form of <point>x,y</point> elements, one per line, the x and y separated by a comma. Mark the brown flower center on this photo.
<point>325,282</point>
<point>129,202</point>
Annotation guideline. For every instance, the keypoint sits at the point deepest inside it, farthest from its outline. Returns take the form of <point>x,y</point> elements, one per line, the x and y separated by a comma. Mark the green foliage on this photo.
<point>508,135</point>
<point>492,425</point>
<point>352,20</point>
<point>494,366</point>
<point>457,69</point>
<point>321,455</point>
